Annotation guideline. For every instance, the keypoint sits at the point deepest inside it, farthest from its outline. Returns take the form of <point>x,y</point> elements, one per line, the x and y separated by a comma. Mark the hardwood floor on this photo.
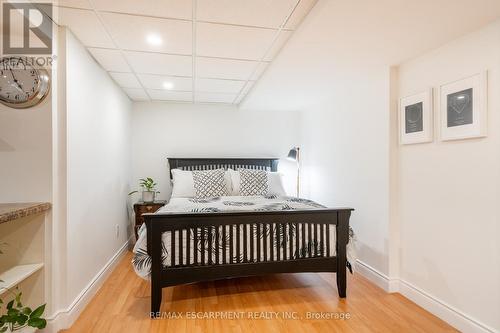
<point>122,305</point>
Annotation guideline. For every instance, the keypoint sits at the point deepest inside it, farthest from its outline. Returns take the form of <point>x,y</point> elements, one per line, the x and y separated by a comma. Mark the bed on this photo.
<point>192,240</point>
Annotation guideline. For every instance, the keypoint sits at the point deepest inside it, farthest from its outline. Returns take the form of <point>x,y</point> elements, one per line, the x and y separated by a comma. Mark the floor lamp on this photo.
<point>294,155</point>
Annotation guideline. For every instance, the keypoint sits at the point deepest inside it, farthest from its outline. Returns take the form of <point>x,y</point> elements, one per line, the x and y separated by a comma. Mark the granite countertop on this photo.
<point>13,211</point>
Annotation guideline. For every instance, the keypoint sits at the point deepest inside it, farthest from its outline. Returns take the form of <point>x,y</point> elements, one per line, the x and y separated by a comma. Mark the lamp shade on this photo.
<point>292,154</point>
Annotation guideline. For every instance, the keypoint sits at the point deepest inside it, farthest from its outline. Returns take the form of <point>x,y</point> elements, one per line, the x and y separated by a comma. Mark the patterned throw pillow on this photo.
<point>209,183</point>
<point>253,182</point>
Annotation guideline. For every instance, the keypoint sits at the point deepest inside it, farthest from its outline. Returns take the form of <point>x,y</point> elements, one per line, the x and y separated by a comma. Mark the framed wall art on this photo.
<point>415,118</point>
<point>464,108</point>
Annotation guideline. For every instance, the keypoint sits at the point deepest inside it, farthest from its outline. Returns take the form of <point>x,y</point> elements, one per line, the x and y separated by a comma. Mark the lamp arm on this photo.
<point>298,172</point>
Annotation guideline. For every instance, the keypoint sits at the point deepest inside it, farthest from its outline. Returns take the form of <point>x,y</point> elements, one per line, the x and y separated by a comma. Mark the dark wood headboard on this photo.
<point>269,164</point>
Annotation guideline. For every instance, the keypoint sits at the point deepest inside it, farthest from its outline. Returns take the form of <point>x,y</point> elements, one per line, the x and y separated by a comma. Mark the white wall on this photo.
<point>98,167</point>
<point>25,142</point>
<point>345,143</point>
<point>449,191</point>
<point>162,130</point>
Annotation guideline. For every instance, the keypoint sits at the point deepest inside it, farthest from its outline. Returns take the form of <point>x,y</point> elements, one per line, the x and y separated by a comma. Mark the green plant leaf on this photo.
<point>21,319</point>
<point>12,312</point>
<point>37,322</point>
<point>27,311</point>
<point>18,297</point>
<point>38,312</point>
<point>10,304</point>
<point>133,192</point>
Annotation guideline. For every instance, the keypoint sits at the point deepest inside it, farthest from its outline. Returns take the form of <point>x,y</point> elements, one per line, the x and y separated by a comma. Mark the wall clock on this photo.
<point>21,84</point>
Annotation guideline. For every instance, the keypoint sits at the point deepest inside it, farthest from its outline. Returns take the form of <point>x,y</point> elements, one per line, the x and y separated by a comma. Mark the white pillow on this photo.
<point>183,184</point>
<point>274,179</point>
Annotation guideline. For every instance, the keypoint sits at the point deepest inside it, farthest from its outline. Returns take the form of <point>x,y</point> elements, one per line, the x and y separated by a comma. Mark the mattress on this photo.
<point>142,261</point>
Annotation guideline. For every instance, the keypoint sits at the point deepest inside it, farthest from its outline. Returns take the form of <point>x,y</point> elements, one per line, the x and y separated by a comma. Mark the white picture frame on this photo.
<point>416,118</point>
<point>464,108</point>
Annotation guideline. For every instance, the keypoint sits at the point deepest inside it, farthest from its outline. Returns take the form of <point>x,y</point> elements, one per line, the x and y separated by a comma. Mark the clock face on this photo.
<point>22,85</point>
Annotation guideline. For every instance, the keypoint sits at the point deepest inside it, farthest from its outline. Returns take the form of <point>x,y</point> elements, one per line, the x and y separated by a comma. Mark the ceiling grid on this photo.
<point>199,51</point>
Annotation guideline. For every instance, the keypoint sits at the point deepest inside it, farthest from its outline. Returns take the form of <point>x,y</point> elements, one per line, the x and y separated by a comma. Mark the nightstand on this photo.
<point>142,208</point>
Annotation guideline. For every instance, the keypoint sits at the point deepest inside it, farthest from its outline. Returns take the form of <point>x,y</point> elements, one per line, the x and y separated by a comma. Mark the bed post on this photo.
<point>154,250</point>
<point>342,240</point>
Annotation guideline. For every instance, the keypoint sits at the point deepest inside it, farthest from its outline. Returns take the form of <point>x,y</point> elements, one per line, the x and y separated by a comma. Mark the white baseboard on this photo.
<point>451,315</point>
<point>378,278</point>
<point>446,312</point>
<point>63,319</point>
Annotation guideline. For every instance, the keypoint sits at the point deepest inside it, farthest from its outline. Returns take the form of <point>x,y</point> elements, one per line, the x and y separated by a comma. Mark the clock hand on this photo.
<point>17,88</point>
<point>15,80</point>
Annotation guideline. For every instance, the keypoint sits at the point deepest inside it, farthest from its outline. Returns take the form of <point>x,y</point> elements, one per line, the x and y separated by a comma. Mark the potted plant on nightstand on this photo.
<point>148,186</point>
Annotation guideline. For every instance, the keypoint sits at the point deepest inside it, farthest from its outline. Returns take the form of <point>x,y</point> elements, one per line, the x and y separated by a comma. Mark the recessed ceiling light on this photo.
<point>168,85</point>
<point>154,39</point>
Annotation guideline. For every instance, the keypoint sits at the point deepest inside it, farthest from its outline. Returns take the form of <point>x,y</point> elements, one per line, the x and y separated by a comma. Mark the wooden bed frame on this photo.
<point>317,222</point>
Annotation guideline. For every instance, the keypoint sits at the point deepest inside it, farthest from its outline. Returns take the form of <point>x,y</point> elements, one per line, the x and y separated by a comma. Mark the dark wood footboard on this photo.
<point>260,243</point>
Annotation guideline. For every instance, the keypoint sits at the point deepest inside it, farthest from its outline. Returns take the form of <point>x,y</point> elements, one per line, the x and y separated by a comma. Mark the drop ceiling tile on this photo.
<point>125,80</point>
<point>278,45</point>
<point>165,8</point>
<point>136,94</point>
<point>299,13</point>
<point>110,60</point>
<point>160,64</point>
<point>72,3</point>
<point>85,25</point>
<point>131,33</point>
<point>158,81</point>
<point>204,97</point>
<point>259,71</point>
<point>227,41</point>
<point>165,95</point>
<point>83,4</point>
<point>262,13</point>
<point>219,86</point>
<point>224,68</point>
<point>244,92</point>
